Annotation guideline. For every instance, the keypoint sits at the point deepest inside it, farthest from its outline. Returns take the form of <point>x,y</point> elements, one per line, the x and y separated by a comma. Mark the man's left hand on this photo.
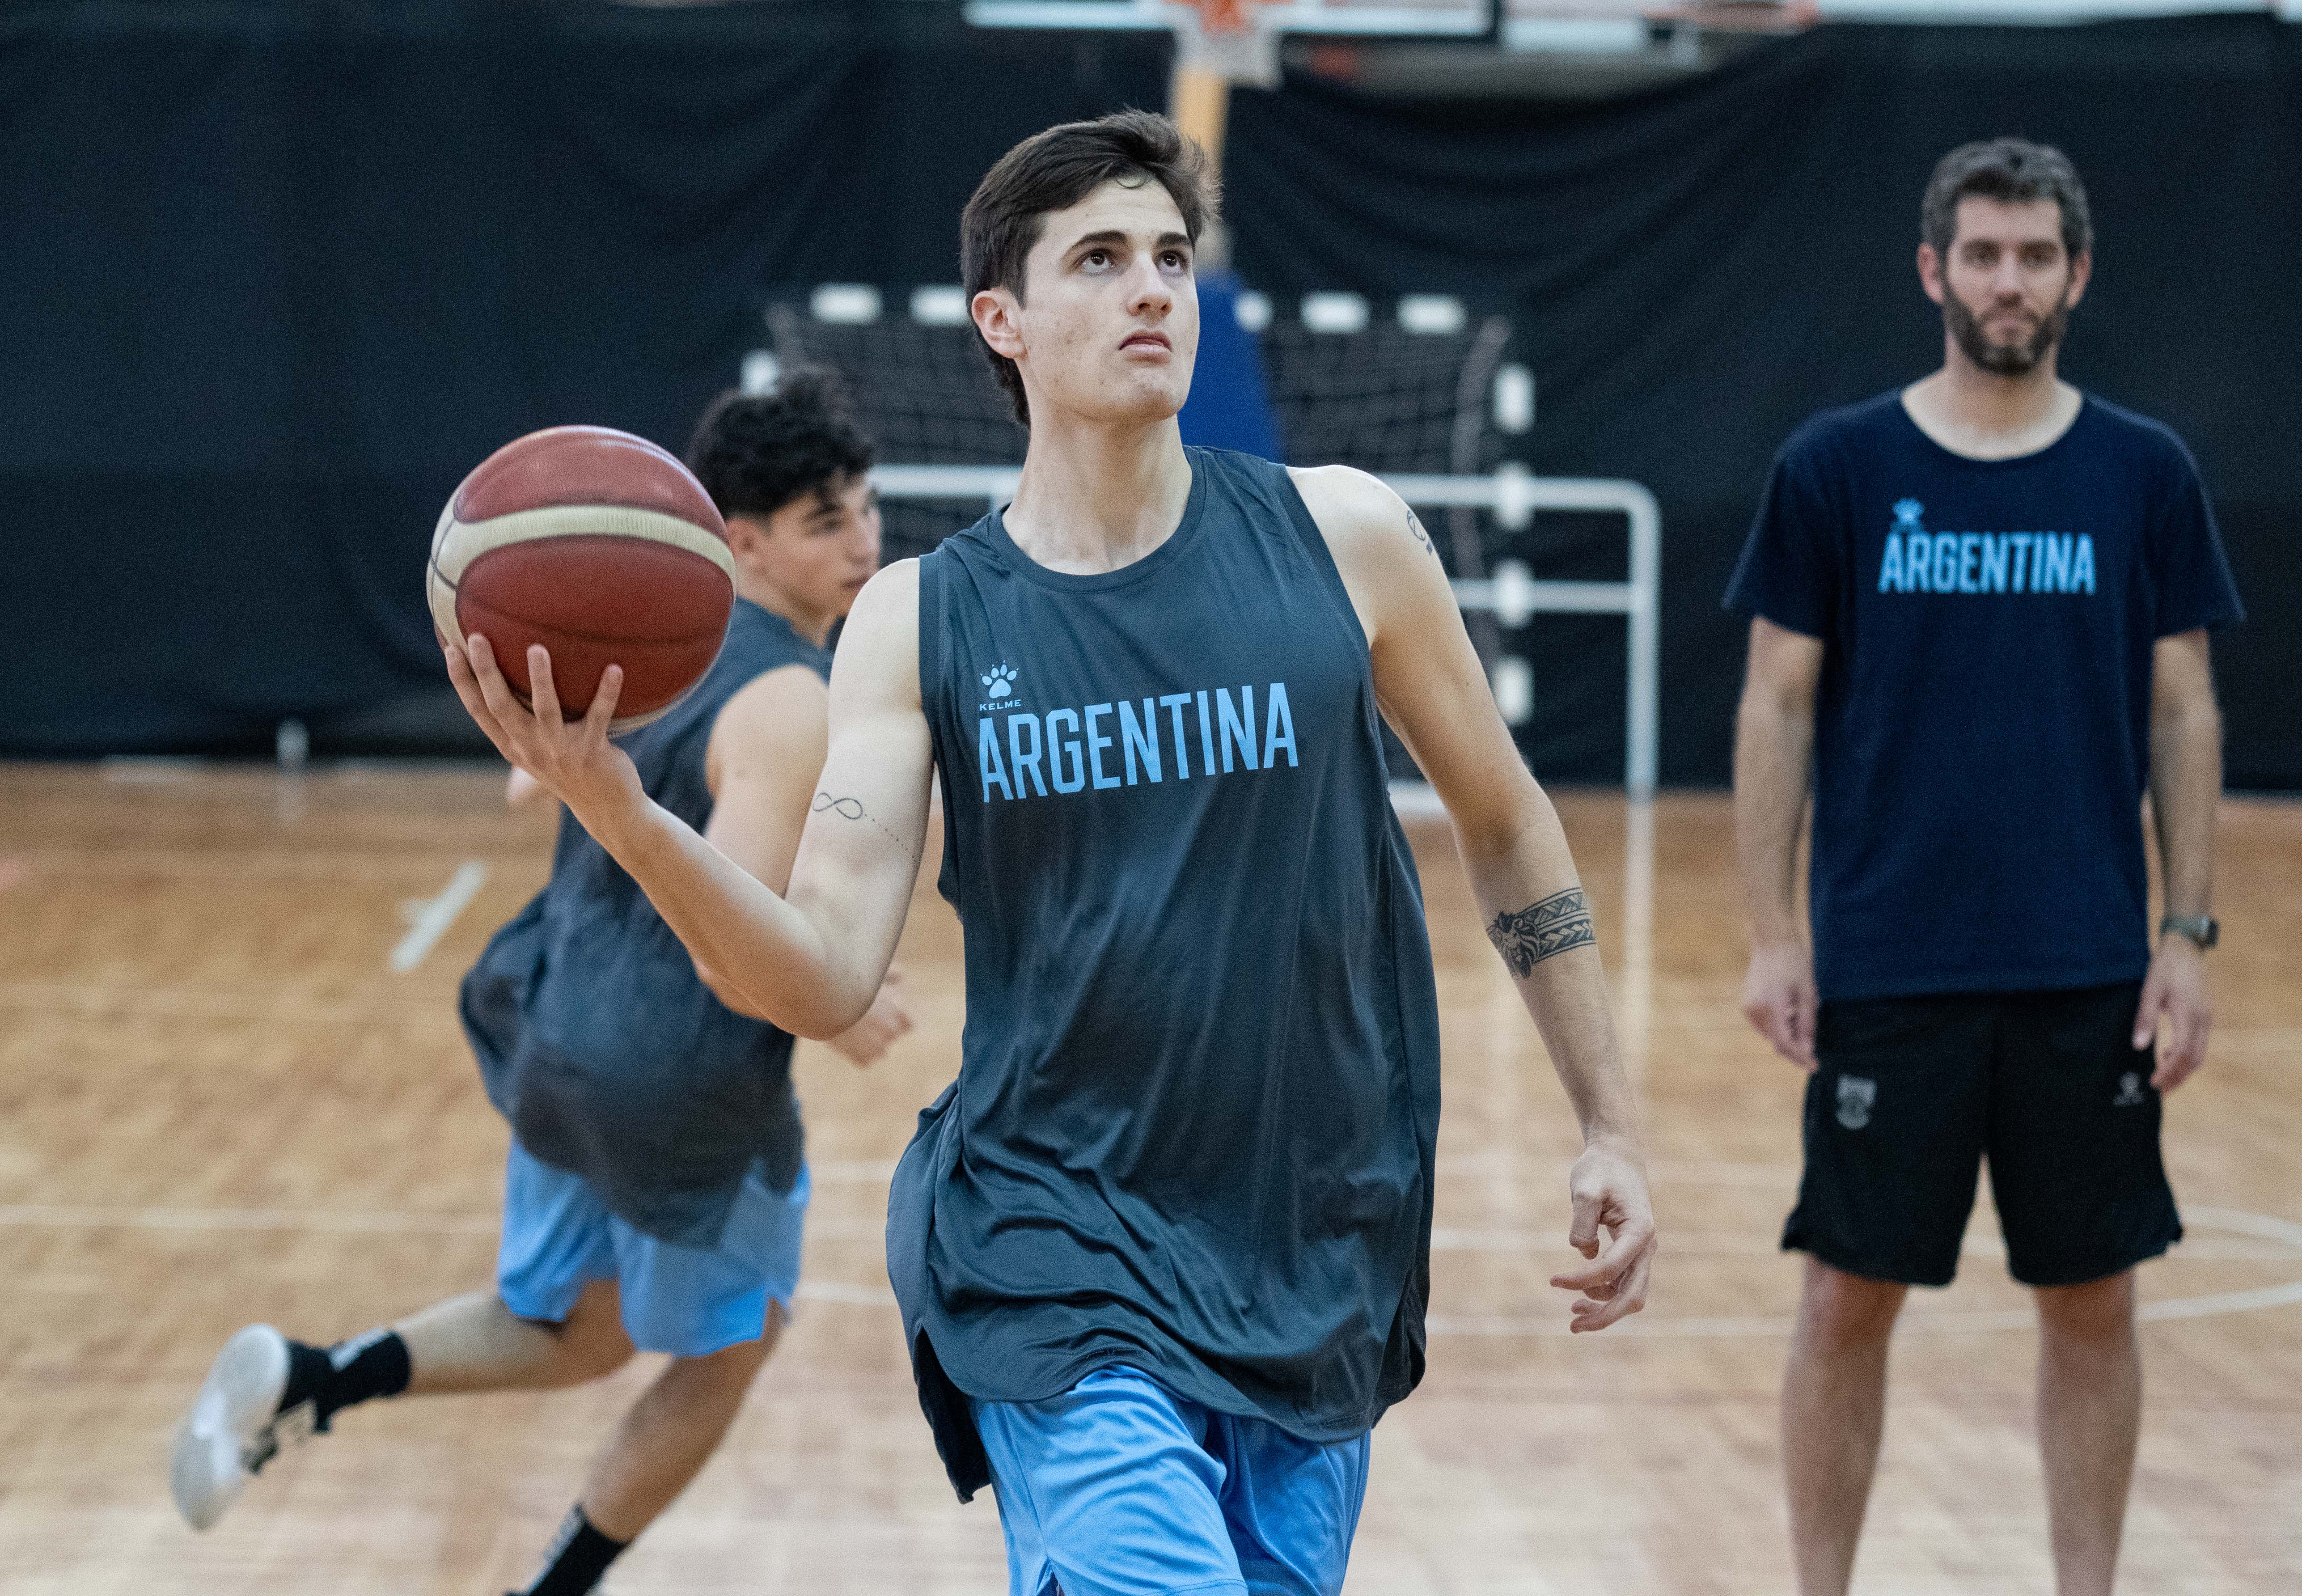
<point>1609,1192</point>
<point>2175,991</point>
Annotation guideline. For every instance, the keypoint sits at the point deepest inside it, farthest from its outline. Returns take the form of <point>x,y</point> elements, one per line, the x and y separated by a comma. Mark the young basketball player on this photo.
<point>656,1189</point>
<point>1163,1248</point>
<point>1979,612</point>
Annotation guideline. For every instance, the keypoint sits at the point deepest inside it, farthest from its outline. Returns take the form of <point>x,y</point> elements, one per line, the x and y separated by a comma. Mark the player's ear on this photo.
<point>1930,273</point>
<point>997,317</point>
<point>2081,274</point>
<point>745,533</point>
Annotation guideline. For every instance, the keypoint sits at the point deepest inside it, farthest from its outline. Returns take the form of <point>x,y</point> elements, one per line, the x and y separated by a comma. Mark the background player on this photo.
<point>655,1190</point>
<point>1984,708</point>
<point>1162,1250</point>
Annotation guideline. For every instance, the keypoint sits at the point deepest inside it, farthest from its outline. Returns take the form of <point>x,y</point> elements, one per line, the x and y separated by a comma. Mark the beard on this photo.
<point>2004,359</point>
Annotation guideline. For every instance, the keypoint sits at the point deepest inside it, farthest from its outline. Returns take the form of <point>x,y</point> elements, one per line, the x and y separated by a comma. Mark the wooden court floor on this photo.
<point>220,1101</point>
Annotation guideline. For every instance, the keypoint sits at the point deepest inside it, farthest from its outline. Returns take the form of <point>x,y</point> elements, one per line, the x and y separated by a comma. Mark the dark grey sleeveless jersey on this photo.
<point>596,1039</point>
<point>1199,1098</point>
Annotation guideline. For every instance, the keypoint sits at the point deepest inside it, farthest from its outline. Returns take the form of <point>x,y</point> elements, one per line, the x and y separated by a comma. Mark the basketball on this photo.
<point>598,545</point>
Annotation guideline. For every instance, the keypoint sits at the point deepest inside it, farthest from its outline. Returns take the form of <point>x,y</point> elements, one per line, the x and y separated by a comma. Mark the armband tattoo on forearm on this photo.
<point>1525,937</point>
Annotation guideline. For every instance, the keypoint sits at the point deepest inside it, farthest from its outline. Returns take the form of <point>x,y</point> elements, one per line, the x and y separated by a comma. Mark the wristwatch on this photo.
<point>2203,929</point>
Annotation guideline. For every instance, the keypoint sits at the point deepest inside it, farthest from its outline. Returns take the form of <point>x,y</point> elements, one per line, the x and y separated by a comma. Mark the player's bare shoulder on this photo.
<point>1362,518</point>
<point>1379,542</point>
<point>890,597</point>
<point>879,647</point>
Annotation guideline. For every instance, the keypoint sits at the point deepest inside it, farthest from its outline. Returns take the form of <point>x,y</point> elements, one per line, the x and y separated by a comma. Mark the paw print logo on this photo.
<point>1001,682</point>
<point>1907,512</point>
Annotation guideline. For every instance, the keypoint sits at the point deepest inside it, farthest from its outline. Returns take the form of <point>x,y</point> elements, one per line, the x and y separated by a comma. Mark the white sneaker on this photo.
<point>235,1427</point>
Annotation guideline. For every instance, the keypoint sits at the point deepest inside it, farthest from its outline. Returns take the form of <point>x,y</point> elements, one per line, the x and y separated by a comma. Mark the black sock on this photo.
<point>577,1556</point>
<point>330,1377</point>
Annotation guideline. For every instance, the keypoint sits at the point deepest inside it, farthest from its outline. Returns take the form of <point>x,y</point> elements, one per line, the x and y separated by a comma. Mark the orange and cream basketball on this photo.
<point>600,546</point>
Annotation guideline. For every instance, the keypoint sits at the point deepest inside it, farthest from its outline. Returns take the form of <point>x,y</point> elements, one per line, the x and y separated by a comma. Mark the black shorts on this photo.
<point>1910,1094</point>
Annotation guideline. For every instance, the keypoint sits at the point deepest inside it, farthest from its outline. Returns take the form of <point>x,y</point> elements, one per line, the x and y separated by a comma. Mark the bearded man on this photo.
<point>1979,609</point>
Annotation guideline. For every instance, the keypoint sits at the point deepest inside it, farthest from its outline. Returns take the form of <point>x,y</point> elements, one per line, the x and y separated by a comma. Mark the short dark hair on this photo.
<point>2014,171</point>
<point>755,453</point>
<point>1055,170</point>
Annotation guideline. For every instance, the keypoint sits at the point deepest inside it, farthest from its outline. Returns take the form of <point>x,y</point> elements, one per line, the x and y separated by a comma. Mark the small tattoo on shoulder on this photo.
<point>1527,936</point>
<point>852,809</point>
<point>1415,525</point>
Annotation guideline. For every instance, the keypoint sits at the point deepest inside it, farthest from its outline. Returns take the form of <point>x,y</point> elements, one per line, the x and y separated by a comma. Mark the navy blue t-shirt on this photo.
<point>1982,723</point>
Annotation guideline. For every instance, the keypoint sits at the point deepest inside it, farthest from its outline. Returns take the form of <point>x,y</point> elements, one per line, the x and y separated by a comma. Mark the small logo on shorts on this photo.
<point>2129,1091</point>
<point>1856,1098</point>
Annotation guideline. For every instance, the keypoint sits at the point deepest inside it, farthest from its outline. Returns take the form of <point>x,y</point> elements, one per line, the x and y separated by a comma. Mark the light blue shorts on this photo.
<point>1120,1488</point>
<point>558,1237</point>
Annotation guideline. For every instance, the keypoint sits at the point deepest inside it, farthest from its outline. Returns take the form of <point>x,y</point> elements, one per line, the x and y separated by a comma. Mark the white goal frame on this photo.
<point>1512,494</point>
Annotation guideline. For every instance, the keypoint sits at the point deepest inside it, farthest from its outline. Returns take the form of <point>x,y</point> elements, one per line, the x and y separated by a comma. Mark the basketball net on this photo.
<point>1228,40</point>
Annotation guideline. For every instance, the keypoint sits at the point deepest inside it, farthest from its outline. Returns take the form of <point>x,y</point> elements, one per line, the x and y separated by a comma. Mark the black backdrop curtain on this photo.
<point>274,276</point>
<point>1694,272</point>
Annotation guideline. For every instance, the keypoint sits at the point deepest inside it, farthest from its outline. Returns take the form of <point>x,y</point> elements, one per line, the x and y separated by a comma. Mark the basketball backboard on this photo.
<point>1237,40</point>
<point>1415,18</point>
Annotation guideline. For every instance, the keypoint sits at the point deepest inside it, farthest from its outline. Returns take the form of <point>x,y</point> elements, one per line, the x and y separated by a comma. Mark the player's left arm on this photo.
<point>2185,787</point>
<point>766,751</point>
<point>1431,690</point>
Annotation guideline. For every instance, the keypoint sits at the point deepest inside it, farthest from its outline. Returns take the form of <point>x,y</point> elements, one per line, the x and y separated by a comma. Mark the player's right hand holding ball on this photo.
<point>574,760</point>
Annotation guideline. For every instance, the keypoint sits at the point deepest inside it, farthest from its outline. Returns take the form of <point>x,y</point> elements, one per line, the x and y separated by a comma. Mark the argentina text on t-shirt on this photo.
<point>1917,561</point>
<point>1026,754</point>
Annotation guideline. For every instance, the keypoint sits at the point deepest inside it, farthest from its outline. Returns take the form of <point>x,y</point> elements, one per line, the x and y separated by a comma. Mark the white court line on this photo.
<point>2263,1227</point>
<point>1755,1244</point>
<point>149,767</point>
<point>2173,1307</point>
<point>433,916</point>
<point>240,865</point>
<point>273,1007</point>
<point>57,1216</point>
<point>2225,1302</point>
<point>1637,1000</point>
<point>353,1222</point>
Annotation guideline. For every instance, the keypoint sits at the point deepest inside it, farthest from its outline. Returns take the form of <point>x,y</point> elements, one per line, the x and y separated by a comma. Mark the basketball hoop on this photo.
<point>1227,39</point>
<point>1222,16</point>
